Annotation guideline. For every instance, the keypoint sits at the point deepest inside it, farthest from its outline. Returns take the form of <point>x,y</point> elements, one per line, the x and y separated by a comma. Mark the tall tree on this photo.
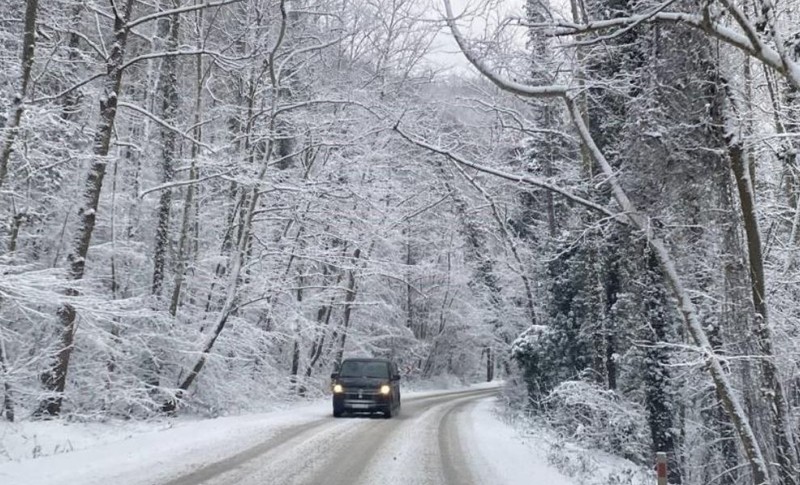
<point>56,377</point>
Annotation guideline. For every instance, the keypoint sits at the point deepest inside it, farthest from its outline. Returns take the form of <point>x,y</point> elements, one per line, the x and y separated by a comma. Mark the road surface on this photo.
<point>423,445</point>
<point>439,438</point>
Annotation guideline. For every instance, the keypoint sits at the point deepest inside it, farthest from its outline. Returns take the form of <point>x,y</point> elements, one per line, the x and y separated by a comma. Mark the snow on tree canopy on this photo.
<point>531,340</point>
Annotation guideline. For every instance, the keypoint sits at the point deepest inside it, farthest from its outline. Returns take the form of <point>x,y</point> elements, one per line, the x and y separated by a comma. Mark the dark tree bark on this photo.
<point>169,28</point>
<point>786,453</point>
<point>17,103</point>
<point>349,298</point>
<point>184,246</point>
<point>71,99</point>
<point>55,378</point>
<point>658,399</point>
<point>8,398</point>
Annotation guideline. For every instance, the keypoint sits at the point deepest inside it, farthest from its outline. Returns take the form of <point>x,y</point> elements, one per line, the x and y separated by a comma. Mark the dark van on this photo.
<point>366,386</point>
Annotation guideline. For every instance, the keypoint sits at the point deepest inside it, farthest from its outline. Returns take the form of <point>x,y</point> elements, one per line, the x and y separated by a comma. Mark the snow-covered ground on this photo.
<point>50,453</point>
<point>498,451</point>
<point>134,453</point>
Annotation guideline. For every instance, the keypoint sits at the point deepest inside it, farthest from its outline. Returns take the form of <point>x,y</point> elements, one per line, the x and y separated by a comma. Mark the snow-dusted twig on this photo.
<point>164,124</point>
<point>524,179</point>
<point>769,56</point>
<point>180,10</point>
<point>182,183</point>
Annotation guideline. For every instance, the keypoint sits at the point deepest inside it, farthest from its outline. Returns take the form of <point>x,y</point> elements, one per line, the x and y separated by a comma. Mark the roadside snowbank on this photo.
<point>497,451</point>
<point>141,453</point>
<point>584,466</point>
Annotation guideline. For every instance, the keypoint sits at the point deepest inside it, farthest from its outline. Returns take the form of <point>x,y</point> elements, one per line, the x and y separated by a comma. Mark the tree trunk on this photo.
<point>349,298</point>
<point>489,364</point>
<point>250,200</point>
<point>722,384</point>
<point>170,28</point>
<point>323,321</point>
<point>786,454</point>
<point>17,103</point>
<point>658,400</point>
<point>295,369</point>
<point>8,402</point>
<point>71,100</point>
<point>183,244</point>
<point>54,379</point>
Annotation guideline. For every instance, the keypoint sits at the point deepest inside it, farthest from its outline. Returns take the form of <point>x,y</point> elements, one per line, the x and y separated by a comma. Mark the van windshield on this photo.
<point>361,368</point>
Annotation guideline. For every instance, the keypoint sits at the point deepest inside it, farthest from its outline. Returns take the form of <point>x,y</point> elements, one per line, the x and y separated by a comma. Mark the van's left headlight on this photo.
<point>385,389</point>
<point>338,389</point>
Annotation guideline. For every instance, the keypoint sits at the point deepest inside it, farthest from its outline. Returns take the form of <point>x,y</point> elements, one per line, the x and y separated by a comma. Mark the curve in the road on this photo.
<point>420,446</point>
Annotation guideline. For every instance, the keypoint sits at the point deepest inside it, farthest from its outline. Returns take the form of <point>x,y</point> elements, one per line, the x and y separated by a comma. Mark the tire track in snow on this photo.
<point>416,447</point>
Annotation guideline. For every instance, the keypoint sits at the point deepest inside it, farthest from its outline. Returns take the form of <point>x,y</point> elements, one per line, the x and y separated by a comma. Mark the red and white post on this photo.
<point>661,468</point>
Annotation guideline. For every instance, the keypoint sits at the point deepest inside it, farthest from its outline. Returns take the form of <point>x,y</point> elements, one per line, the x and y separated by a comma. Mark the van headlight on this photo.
<point>338,389</point>
<point>385,390</point>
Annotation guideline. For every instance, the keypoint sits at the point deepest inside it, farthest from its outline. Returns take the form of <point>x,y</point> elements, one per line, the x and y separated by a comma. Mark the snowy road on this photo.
<point>439,438</point>
<point>420,446</point>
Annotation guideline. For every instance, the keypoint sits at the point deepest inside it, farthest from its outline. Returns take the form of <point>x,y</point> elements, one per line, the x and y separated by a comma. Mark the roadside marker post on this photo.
<point>661,468</point>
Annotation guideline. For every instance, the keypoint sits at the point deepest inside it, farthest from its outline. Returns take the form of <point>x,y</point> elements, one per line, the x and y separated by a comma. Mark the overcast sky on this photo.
<point>480,16</point>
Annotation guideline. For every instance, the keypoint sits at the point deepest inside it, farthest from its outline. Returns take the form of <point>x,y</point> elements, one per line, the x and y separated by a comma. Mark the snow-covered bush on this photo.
<point>529,351</point>
<point>599,418</point>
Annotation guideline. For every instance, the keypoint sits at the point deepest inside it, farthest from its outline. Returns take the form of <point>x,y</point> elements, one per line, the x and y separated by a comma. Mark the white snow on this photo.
<point>130,453</point>
<point>500,455</point>
<point>146,457</point>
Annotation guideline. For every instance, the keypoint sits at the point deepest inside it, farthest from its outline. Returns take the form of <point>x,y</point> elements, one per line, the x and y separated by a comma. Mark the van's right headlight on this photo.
<point>338,389</point>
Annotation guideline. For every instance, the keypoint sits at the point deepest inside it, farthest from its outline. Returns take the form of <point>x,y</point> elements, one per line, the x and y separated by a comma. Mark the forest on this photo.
<point>207,204</point>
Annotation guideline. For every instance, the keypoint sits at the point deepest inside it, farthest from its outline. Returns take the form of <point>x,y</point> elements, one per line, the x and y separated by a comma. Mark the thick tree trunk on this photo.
<point>609,335</point>
<point>786,453</point>
<point>17,102</point>
<point>71,100</point>
<point>168,86</point>
<point>658,400</point>
<point>13,237</point>
<point>295,369</point>
<point>54,379</point>
<point>722,384</point>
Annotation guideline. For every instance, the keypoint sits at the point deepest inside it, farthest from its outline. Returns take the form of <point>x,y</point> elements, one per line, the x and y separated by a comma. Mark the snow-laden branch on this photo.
<point>164,124</point>
<point>273,73</point>
<point>507,239</point>
<point>686,306</point>
<point>419,211</point>
<point>135,60</point>
<point>311,48</point>
<point>180,10</point>
<point>553,91</point>
<point>182,183</point>
<point>523,179</point>
<point>159,55</point>
<point>747,42</point>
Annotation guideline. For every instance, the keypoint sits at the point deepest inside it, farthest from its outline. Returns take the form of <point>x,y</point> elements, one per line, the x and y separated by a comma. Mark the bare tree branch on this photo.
<point>528,180</point>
